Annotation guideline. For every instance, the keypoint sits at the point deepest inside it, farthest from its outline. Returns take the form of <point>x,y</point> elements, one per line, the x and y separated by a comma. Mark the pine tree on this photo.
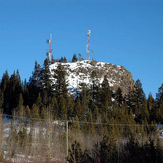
<point>91,125</point>
<point>75,153</point>
<point>61,60</point>
<point>70,106</point>
<point>4,88</point>
<point>85,126</point>
<point>36,71</point>
<point>4,81</point>
<point>25,92</point>
<point>27,112</point>
<point>159,112</point>
<point>159,95</point>
<point>80,57</point>
<point>95,86</point>
<point>105,94</point>
<point>22,136</point>
<point>140,93</point>
<point>108,151</point>
<point>39,101</point>
<point>151,105</point>
<point>75,126</point>
<point>20,107</point>
<point>1,100</point>
<point>118,96</point>
<point>1,132</point>
<point>132,100</point>
<point>12,93</point>
<point>34,79</point>
<point>64,60</point>
<point>46,82</point>
<point>74,59</point>
<point>62,108</point>
<point>35,113</point>
<point>78,110</point>
<point>55,108</point>
<point>60,86</point>
<point>95,112</point>
<point>44,113</point>
<point>84,99</point>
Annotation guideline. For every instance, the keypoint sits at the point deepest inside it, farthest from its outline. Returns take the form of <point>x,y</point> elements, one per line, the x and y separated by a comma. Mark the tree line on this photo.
<point>41,96</point>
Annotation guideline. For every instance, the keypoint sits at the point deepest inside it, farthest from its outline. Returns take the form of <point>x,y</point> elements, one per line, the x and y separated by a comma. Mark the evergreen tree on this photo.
<point>105,94</point>
<point>5,81</point>
<point>84,99</point>
<point>70,106</point>
<point>46,81</point>
<point>34,86</point>
<point>55,108</point>
<point>91,125</point>
<point>118,96</point>
<point>44,113</point>
<point>37,69</point>
<point>85,126</point>
<point>39,101</point>
<point>78,110</point>
<point>80,57</point>
<point>27,112</point>
<point>25,92</point>
<point>95,112</point>
<point>61,60</point>
<point>95,86</point>
<point>75,153</point>
<point>159,95</point>
<point>75,125</point>
<point>151,105</point>
<point>34,79</point>
<point>140,92</point>
<point>1,99</point>
<point>62,108</point>
<point>60,86</point>
<point>12,93</point>
<point>20,107</point>
<point>22,137</point>
<point>131,99</point>
<point>108,151</point>
<point>64,60</point>
<point>74,59</point>
<point>35,113</point>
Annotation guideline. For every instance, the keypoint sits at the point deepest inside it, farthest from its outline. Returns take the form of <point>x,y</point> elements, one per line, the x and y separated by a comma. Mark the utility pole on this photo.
<point>67,138</point>
<point>50,136</point>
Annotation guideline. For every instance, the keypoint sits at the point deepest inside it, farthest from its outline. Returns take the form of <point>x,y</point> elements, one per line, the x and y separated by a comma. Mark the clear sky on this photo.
<point>123,32</point>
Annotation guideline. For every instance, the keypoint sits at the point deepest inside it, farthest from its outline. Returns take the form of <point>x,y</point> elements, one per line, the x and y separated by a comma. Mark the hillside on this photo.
<point>80,72</point>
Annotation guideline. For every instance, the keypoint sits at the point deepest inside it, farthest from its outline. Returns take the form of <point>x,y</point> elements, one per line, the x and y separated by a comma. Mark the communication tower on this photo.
<point>87,49</point>
<point>49,56</point>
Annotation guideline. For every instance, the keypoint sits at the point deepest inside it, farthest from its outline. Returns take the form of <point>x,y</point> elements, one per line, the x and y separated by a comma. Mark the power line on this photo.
<point>80,122</point>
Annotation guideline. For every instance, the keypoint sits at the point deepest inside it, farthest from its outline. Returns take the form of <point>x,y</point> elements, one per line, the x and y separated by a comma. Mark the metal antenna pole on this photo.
<point>88,34</point>
<point>50,49</point>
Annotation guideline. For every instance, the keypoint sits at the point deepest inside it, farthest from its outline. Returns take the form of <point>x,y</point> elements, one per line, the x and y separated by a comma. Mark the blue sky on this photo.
<point>123,32</point>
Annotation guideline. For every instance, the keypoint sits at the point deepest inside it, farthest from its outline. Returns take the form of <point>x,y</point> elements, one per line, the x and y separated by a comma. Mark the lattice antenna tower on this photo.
<point>87,49</point>
<point>49,56</point>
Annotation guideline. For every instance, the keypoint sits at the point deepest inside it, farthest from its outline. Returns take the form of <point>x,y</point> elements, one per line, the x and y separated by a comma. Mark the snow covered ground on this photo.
<point>80,72</point>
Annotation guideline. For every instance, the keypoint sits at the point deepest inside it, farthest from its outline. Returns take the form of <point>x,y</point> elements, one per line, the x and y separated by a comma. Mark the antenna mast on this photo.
<point>87,49</point>
<point>50,49</point>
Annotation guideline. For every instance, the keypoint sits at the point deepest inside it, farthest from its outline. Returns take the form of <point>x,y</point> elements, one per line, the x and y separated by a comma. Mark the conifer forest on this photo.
<point>41,122</point>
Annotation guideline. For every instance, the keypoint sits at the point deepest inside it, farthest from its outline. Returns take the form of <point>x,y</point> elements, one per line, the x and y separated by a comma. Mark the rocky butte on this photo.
<point>80,72</point>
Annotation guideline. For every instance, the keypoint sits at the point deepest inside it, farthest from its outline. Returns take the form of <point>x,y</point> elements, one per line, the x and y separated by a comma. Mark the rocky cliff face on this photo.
<point>80,72</point>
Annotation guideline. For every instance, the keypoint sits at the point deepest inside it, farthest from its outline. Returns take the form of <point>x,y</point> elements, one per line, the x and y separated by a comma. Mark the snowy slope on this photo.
<point>80,72</point>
